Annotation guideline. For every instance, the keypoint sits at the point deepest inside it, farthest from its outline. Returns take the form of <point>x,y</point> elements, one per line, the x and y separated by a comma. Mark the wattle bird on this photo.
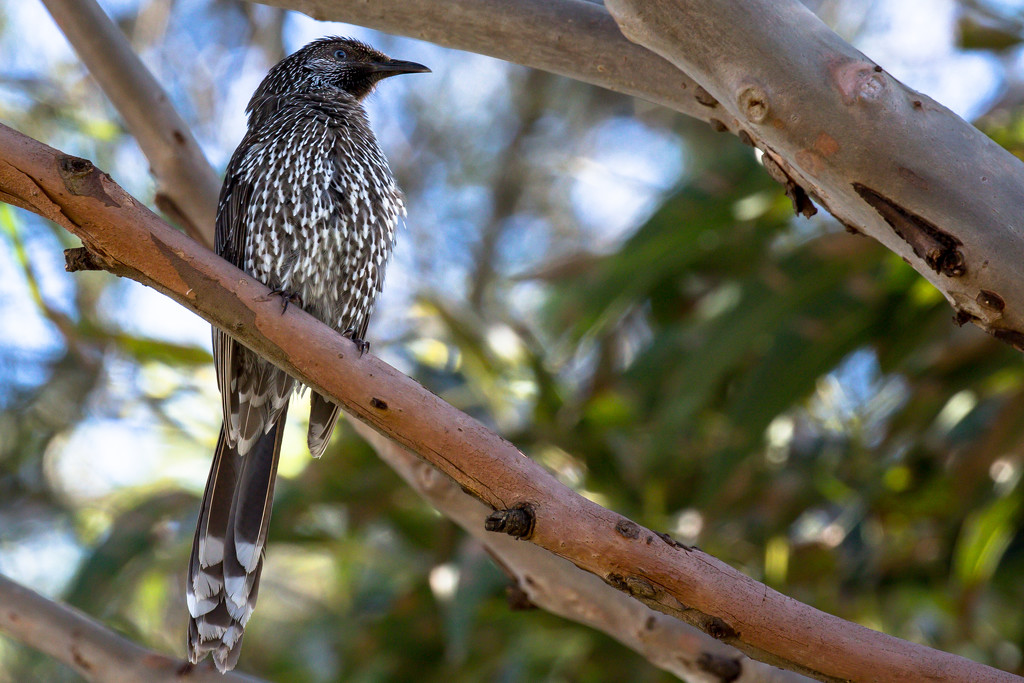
<point>309,207</point>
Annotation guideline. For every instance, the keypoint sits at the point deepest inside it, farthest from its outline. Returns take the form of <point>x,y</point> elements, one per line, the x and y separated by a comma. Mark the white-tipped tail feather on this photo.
<point>227,553</point>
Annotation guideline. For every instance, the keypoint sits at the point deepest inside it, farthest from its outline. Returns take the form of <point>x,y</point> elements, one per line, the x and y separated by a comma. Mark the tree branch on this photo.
<point>684,582</point>
<point>557,586</point>
<point>573,38</point>
<point>88,647</point>
<point>883,159</point>
<point>878,155</point>
<point>187,184</point>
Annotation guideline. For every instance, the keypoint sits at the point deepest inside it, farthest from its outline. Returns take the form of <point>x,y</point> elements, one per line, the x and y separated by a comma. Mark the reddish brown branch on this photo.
<point>689,584</point>
<point>557,586</point>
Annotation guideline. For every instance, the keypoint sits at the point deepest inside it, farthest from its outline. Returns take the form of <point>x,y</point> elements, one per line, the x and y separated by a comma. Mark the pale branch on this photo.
<point>187,186</point>
<point>881,157</point>
<point>90,648</point>
<point>571,38</point>
<point>559,587</point>
<point>884,160</point>
<point>130,240</point>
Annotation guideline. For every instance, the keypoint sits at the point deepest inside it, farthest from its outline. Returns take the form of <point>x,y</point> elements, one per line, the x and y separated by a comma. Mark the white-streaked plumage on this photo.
<point>309,207</point>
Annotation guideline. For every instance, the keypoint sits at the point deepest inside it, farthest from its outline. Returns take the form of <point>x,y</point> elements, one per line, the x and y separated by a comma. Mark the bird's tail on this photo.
<point>227,553</point>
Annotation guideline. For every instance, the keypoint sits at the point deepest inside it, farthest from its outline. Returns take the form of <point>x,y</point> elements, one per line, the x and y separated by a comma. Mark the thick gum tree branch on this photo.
<point>128,239</point>
<point>885,160</point>
<point>88,647</point>
<point>187,186</point>
<point>573,38</point>
<point>881,157</point>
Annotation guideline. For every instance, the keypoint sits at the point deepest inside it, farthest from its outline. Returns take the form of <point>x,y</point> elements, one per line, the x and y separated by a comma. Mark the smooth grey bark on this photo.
<point>878,155</point>
<point>571,38</point>
<point>885,160</point>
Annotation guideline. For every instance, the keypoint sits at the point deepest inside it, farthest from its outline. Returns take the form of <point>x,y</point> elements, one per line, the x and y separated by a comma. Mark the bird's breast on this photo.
<point>323,226</point>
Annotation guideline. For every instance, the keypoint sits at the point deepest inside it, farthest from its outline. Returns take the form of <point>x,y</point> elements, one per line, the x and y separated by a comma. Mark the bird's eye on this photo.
<point>340,54</point>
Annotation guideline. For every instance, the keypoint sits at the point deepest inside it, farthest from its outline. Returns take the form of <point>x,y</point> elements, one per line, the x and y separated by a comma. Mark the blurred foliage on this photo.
<point>792,398</point>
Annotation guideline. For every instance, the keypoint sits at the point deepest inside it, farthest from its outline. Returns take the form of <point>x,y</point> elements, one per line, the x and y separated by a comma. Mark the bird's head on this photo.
<point>343,63</point>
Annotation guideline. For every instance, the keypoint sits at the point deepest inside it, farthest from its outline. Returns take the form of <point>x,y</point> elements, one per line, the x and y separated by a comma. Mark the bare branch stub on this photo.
<point>517,521</point>
<point>725,669</point>
<point>1011,337</point>
<point>518,600</point>
<point>717,628</point>
<point>991,300</point>
<point>627,528</point>
<point>81,258</point>
<point>83,179</point>
<point>718,126</point>
<point>753,102</point>
<point>802,204</point>
<point>704,97</point>
<point>674,543</point>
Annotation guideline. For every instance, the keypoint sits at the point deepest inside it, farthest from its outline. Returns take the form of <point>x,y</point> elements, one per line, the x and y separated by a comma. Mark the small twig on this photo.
<point>88,647</point>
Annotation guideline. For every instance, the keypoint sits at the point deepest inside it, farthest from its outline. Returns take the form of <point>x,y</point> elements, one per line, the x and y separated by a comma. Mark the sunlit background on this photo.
<point>617,289</point>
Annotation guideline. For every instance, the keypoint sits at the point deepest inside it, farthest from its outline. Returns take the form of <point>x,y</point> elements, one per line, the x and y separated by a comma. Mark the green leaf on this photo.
<point>984,538</point>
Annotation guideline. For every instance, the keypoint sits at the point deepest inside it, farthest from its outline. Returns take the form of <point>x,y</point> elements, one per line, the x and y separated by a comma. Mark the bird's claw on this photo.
<point>360,343</point>
<point>287,298</point>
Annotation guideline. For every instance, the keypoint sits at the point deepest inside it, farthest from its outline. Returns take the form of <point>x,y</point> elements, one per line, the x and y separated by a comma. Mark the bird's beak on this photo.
<point>394,67</point>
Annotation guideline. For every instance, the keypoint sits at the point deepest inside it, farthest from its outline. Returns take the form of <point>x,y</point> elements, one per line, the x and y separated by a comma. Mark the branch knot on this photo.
<point>753,102</point>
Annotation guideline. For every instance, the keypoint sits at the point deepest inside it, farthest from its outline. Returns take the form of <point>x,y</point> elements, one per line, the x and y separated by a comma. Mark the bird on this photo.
<point>309,207</point>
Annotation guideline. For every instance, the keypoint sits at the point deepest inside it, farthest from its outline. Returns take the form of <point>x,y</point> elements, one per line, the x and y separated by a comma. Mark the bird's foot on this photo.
<point>360,343</point>
<point>287,298</point>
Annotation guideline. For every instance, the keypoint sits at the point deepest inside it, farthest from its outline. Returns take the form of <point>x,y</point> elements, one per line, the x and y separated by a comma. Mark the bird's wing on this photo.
<point>229,242</point>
